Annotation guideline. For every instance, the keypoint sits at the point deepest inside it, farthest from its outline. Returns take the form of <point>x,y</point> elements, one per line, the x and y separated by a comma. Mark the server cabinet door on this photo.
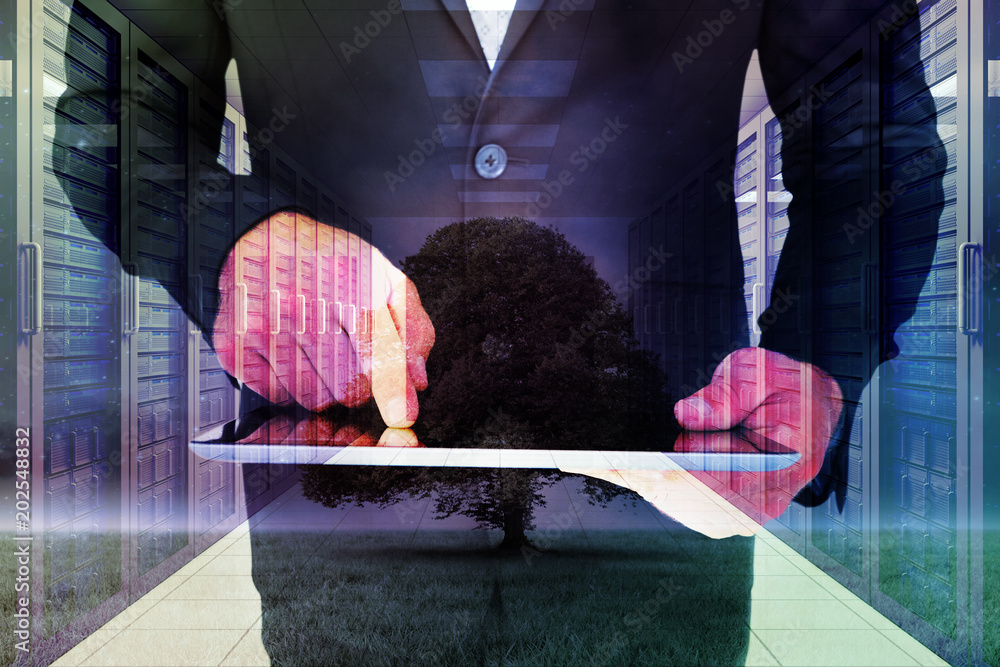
<point>327,207</point>
<point>160,166</point>
<point>985,448</point>
<point>282,280</point>
<point>80,469</point>
<point>12,295</point>
<point>921,576</point>
<point>721,256</point>
<point>218,484</point>
<point>840,128</point>
<point>693,298</point>
<point>266,285</point>
<point>672,296</point>
<point>21,314</point>
<point>310,304</point>
<point>749,204</point>
<point>635,295</point>
<point>252,277</point>
<point>657,283</point>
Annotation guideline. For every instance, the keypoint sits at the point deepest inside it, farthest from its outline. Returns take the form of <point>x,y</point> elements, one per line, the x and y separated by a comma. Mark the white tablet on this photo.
<point>266,436</point>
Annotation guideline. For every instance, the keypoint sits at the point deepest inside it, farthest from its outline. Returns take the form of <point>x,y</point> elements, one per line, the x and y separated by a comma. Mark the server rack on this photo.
<point>161,109</point>
<point>674,313</point>
<point>670,299</point>
<point>212,214</point>
<point>746,188</point>
<point>692,303</point>
<point>8,296</point>
<point>126,215</point>
<point>756,189</point>
<point>921,507</point>
<point>253,275</point>
<point>843,306</point>
<point>916,537</point>
<point>72,320</point>
<point>984,503</point>
<point>897,542</point>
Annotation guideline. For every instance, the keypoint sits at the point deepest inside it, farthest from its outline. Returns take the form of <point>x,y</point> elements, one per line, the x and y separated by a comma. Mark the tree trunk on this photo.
<point>514,536</point>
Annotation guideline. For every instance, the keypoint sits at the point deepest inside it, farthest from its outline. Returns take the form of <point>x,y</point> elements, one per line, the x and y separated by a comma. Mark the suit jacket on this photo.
<point>601,107</point>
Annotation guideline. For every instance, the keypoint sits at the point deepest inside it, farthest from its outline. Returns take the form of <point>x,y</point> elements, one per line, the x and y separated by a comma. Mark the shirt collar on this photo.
<point>491,19</point>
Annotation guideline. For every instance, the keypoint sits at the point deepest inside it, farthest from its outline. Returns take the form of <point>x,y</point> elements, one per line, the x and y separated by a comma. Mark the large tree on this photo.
<point>533,350</point>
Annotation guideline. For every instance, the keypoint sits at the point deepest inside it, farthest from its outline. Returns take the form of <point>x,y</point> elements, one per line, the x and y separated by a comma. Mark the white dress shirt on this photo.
<point>491,18</point>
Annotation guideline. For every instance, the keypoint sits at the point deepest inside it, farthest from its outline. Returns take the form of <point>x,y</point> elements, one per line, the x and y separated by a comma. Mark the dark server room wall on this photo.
<point>129,209</point>
<point>916,536</point>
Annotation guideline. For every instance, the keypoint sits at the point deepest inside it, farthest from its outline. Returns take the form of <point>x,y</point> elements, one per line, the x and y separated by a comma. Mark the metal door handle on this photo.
<point>755,307</point>
<point>241,325</point>
<point>322,318</point>
<point>194,284</point>
<point>33,303</point>
<point>135,298</point>
<point>869,297</point>
<point>968,295</point>
<point>132,299</point>
<point>352,321</point>
<point>302,314</point>
<point>276,311</point>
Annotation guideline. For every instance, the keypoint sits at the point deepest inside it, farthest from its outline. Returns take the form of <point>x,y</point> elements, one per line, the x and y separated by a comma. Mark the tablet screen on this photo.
<point>287,436</point>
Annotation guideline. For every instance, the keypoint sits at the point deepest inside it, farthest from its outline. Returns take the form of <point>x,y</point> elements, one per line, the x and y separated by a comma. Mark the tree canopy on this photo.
<point>533,350</point>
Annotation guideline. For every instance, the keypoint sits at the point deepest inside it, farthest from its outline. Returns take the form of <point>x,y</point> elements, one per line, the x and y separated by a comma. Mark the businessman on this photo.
<point>573,111</point>
<point>584,112</point>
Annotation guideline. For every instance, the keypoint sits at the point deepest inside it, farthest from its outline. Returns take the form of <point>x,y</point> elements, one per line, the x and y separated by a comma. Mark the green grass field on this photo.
<point>8,599</point>
<point>449,598</point>
<point>991,598</point>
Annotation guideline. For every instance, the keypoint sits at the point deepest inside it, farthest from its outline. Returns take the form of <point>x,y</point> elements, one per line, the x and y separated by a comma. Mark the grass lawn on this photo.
<point>991,597</point>
<point>8,598</point>
<point>449,598</point>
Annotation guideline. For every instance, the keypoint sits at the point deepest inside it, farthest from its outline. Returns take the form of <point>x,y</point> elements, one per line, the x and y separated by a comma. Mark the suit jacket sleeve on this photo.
<point>794,36</point>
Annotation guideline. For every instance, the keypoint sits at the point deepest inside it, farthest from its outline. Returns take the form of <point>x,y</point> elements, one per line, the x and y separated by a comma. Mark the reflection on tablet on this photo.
<point>269,436</point>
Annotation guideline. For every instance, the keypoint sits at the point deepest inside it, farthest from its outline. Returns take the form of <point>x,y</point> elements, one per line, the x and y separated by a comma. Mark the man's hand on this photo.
<point>788,401</point>
<point>316,315</point>
<point>791,402</point>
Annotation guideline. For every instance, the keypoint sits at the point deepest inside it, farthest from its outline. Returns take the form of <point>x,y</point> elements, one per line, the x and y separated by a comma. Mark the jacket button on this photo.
<point>491,160</point>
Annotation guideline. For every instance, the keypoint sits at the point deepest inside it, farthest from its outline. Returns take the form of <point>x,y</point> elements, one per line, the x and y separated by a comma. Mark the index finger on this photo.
<point>380,347</point>
<point>394,392</point>
<point>414,325</point>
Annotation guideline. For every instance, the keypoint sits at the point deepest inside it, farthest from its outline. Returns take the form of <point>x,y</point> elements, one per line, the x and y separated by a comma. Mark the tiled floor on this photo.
<point>208,613</point>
